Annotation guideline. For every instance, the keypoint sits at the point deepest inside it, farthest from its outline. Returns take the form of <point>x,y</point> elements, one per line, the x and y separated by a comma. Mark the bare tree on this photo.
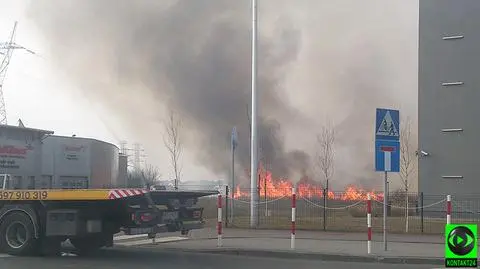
<point>150,175</point>
<point>134,180</point>
<point>173,142</point>
<point>325,155</point>
<point>144,177</point>
<point>407,161</point>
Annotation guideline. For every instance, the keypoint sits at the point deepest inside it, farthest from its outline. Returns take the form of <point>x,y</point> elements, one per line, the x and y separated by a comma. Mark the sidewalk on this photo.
<point>316,235</point>
<point>414,249</point>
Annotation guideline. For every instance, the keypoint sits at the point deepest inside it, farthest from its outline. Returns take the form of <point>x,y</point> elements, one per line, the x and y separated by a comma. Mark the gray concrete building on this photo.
<point>77,162</point>
<point>449,95</point>
<point>37,159</point>
<point>21,156</point>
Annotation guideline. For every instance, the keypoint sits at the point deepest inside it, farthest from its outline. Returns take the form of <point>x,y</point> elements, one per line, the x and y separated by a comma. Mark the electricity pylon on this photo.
<point>6,51</point>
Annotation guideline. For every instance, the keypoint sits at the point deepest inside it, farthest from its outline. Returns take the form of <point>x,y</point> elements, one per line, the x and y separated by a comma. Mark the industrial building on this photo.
<point>449,94</point>
<point>37,159</point>
<point>75,162</point>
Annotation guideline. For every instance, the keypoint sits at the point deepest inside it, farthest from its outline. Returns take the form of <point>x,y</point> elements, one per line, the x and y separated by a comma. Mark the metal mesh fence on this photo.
<point>407,213</point>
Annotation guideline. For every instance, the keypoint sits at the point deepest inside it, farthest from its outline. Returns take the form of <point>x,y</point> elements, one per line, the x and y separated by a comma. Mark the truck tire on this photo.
<point>17,235</point>
<point>88,244</point>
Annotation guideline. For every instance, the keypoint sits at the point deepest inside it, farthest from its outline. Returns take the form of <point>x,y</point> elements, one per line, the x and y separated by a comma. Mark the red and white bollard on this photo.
<point>369,224</point>
<point>449,209</point>
<point>294,206</point>
<point>219,223</point>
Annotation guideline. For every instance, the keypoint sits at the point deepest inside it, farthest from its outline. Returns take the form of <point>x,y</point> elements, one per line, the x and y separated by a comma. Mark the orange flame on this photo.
<point>305,188</point>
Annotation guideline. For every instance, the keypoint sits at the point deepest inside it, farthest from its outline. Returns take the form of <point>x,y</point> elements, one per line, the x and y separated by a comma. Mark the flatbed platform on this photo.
<point>69,195</point>
<point>93,194</point>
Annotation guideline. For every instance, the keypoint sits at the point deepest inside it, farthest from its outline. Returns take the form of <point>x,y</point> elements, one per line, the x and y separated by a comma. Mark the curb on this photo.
<point>319,239</point>
<point>285,234</point>
<point>311,256</point>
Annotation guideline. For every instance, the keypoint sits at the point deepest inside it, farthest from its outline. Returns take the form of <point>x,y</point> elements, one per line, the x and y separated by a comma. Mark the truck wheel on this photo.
<point>89,244</point>
<point>17,235</point>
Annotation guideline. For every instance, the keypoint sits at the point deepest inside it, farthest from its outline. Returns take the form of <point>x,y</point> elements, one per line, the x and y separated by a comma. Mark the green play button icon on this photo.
<point>461,245</point>
<point>461,240</point>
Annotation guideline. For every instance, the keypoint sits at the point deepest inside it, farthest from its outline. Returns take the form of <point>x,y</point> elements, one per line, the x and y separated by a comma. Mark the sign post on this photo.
<point>387,152</point>
<point>234,140</point>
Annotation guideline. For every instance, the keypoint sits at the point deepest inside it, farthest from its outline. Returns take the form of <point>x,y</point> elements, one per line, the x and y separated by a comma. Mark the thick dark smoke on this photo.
<point>193,56</point>
<point>138,57</point>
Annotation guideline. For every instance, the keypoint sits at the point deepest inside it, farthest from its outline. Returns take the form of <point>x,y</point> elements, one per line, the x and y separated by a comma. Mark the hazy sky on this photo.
<point>352,57</point>
<point>41,95</point>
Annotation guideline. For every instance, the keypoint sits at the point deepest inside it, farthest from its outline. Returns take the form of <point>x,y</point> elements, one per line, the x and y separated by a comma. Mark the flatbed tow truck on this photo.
<point>36,222</point>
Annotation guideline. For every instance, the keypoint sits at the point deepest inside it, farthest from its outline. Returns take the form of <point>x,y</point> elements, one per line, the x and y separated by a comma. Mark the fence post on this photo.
<point>449,209</point>
<point>219,221</point>
<point>325,197</point>
<point>421,211</point>
<point>226,206</point>
<point>259,180</point>
<point>294,207</point>
<point>369,223</point>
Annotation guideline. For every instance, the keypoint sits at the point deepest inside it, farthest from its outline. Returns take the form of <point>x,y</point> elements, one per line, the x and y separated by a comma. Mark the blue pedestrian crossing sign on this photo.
<point>387,125</point>
<point>387,140</point>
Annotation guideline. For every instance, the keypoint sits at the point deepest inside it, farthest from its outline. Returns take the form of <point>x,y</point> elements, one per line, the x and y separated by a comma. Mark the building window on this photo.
<point>16,182</point>
<point>44,183</point>
<point>67,182</point>
<point>30,182</point>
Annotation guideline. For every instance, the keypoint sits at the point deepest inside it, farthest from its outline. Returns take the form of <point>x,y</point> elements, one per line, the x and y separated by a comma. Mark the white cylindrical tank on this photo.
<point>76,162</point>
<point>66,161</point>
<point>104,165</point>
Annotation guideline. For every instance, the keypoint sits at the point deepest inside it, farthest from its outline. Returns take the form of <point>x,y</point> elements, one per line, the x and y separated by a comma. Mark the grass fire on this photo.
<point>305,188</point>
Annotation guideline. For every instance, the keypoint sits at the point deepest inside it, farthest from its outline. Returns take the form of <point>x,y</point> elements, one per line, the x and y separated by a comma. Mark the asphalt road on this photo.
<point>143,259</point>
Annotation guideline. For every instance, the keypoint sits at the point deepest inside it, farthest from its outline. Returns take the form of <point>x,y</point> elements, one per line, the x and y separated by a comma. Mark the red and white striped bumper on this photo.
<point>124,193</point>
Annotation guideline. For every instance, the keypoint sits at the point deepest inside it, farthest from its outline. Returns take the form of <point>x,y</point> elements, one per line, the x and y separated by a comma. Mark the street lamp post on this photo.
<point>253,144</point>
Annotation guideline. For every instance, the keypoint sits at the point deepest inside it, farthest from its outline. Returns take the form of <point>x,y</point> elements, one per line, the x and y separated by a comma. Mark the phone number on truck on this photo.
<point>23,195</point>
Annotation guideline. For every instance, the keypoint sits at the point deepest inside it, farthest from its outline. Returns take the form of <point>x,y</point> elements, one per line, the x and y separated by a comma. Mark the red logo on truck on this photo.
<point>12,150</point>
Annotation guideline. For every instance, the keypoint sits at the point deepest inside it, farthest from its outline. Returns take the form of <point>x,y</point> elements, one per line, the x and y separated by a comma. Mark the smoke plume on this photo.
<point>315,58</point>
